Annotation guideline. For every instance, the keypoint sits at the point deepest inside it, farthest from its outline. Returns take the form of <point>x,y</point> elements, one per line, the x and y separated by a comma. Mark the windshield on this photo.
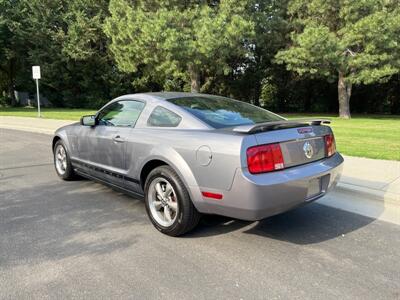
<point>220,112</point>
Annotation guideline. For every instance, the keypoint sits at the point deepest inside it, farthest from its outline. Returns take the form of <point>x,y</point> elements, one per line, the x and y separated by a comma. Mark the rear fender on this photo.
<point>176,162</point>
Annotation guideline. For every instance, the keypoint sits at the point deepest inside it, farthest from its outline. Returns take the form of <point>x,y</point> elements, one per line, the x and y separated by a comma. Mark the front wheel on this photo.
<point>168,203</point>
<point>62,162</point>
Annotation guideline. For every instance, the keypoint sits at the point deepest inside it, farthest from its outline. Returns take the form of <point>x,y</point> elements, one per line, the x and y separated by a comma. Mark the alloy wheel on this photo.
<point>163,202</point>
<point>61,159</point>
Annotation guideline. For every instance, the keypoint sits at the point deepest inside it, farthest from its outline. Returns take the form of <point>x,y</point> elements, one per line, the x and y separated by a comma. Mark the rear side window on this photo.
<point>162,117</point>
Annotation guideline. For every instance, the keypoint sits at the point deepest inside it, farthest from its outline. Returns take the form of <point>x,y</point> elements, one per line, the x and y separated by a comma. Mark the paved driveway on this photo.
<point>81,239</point>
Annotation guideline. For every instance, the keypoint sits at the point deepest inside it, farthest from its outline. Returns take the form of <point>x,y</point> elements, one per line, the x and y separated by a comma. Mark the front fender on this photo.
<point>61,134</point>
<point>66,134</point>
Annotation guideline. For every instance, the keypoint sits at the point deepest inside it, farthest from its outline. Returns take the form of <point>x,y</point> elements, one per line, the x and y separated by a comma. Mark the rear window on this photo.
<point>220,112</point>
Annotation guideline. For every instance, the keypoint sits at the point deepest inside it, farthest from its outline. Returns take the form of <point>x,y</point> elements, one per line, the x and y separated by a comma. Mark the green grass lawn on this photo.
<point>372,136</point>
<point>47,113</point>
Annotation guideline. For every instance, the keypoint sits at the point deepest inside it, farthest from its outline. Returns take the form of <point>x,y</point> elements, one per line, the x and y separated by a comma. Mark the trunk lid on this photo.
<point>302,151</point>
<point>301,142</point>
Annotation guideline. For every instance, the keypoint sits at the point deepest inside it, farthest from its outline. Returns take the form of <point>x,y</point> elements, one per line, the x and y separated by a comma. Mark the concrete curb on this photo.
<point>29,129</point>
<point>371,194</point>
<point>37,125</point>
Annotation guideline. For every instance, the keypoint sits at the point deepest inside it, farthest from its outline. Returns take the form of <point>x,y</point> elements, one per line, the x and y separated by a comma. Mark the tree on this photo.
<point>67,39</point>
<point>182,40</point>
<point>353,41</point>
<point>270,31</point>
<point>248,73</point>
<point>12,46</point>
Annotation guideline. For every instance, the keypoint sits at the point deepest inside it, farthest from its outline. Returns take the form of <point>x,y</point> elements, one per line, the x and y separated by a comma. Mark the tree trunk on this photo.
<point>344,94</point>
<point>394,96</point>
<point>194,79</point>
<point>257,92</point>
<point>11,87</point>
<point>11,84</point>
<point>309,95</point>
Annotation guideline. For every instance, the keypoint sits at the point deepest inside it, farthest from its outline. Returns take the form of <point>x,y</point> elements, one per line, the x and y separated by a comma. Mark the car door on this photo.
<point>103,146</point>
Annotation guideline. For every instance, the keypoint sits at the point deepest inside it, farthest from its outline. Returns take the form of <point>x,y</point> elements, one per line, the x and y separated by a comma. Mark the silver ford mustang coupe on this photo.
<point>191,154</point>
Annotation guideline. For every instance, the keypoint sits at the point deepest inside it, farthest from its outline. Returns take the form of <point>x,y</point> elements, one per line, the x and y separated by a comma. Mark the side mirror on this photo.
<point>89,120</point>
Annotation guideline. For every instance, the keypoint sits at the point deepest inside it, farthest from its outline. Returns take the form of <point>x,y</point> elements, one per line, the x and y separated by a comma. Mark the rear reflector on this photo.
<point>212,195</point>
<point>265,158</point>
<point>330,145</point>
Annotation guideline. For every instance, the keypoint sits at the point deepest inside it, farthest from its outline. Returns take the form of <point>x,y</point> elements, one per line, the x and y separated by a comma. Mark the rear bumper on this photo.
<point>254,197</point>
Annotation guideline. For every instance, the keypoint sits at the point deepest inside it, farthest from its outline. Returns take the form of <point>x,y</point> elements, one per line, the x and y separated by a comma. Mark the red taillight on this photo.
<point>264,158</point>
<point>330,145</point>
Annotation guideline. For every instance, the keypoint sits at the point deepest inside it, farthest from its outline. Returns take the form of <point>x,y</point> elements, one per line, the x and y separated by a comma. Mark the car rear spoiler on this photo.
<point>267,126</point>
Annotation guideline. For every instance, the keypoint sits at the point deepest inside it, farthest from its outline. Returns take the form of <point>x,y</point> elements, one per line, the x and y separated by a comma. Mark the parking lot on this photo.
<point>81,239</point>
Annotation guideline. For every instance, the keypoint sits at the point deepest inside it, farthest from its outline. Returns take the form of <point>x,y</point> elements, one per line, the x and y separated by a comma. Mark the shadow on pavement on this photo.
<point>54,220</point>
<point>57,220</point>
<point>309,224</point>
<point>211,225</point>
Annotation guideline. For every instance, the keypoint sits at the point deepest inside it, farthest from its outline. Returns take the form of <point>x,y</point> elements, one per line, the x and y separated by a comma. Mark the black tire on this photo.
<point>69,173</point>
<point>187,216</point>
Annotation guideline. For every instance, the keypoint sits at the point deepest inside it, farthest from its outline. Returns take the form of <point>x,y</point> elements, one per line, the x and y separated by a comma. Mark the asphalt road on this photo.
<point>83,240</point>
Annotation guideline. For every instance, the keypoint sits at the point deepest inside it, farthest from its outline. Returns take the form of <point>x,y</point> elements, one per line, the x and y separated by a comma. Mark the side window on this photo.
<point>162,117</point>
<point>121,113</point>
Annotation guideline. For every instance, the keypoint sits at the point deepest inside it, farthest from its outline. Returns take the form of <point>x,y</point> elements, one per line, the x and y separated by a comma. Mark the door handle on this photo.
<point>118,139</point>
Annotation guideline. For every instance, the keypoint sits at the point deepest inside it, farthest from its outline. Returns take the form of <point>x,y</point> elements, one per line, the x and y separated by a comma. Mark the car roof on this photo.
<point>171,95</point>
<point>156,98</point>
<point>162,95</point>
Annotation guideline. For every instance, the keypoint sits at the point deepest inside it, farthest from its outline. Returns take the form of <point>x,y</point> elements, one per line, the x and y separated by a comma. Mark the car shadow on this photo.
<point>211,225</point>
<point>57,220</point>
<point>309,224</point>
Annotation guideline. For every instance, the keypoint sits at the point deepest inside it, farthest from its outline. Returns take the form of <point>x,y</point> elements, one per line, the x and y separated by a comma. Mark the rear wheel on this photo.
<point>62,161</point>
<point>168,202</point>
